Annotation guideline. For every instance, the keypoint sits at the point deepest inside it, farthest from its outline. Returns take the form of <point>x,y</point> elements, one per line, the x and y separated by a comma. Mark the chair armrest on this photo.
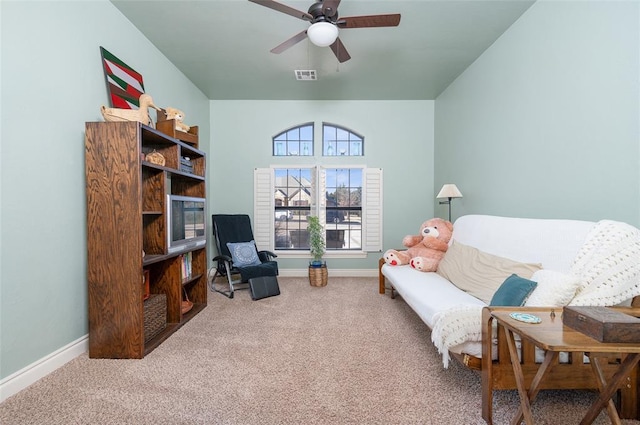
<point>222,258</point>
<point>266,255</point>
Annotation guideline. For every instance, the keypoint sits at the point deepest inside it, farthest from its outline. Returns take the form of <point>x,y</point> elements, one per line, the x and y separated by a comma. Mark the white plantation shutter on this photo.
<point>263,208</point>
<point>372,210</point>
<point>321,189</point>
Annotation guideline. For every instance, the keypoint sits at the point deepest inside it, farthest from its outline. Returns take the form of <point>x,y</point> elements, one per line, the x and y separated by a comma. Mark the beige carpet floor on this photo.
<point>342,354</point>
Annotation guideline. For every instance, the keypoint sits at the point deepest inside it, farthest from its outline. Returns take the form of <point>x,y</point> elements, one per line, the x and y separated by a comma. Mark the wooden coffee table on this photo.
<point>553,337</point>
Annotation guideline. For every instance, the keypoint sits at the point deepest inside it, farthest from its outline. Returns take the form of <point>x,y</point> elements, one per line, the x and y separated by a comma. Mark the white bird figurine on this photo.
<point>141,114</point>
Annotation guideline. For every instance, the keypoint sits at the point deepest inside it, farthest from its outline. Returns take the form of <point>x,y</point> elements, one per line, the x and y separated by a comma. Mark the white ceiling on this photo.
<point>223,46</point>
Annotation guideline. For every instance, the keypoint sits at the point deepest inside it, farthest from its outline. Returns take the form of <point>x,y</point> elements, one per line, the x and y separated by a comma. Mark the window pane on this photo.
<point>293,134</point>
<point>329,132</point>
<point>295,141</point>
<point>355,149</point>
<point>293,148</point>
<point>337,141</point>
<point>292,200</point>
<point>306,133</point>
<point>344,208</point>
<point>307,148</point>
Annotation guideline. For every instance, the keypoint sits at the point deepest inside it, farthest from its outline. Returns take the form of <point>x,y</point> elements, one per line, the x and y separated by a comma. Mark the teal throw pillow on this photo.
<point>244,254</point>
<point>513,292</point>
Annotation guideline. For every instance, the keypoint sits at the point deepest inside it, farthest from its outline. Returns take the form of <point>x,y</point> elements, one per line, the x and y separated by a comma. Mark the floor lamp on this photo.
<point>448,191</point>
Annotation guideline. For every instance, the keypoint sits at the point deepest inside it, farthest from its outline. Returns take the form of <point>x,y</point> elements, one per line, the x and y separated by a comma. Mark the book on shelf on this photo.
<point>186,260</point>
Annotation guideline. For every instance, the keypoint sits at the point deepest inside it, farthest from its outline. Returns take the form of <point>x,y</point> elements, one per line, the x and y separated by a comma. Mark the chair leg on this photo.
<point>212,284</point>
<point>227,267</point>
<point>229,275</point>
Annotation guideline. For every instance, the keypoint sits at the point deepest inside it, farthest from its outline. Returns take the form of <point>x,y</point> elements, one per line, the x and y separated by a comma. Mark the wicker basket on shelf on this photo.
<point>155,315</point>
<point>318,275</point>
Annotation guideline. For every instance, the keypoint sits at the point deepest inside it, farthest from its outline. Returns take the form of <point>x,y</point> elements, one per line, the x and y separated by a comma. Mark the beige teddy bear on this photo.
<point>178,116</point>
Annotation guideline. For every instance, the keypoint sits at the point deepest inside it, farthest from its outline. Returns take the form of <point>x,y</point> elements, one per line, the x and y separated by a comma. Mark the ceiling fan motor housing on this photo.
<point>319,15</point>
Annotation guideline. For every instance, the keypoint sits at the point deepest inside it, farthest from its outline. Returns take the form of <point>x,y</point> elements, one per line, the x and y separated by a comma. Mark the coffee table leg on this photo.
<point>549,359</point>
<point>602,384</point>
<point>607,392</point>
<point>525,406</point>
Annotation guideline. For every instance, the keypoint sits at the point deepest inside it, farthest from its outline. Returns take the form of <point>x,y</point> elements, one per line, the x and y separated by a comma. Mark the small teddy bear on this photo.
<point>424,250</point>
<point>178,116</point>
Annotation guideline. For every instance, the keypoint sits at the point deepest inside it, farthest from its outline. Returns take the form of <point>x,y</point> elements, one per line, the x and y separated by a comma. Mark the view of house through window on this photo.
<point>343,189</point>
<point>341,210</point>
<point>292,206</point>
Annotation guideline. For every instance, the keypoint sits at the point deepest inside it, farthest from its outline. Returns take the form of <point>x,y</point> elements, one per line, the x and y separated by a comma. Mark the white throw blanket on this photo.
<point>608,264</point>
<point>455,326</point>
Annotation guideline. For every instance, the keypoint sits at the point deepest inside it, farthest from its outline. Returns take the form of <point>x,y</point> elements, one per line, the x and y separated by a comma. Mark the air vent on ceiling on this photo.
<point>306,75</point>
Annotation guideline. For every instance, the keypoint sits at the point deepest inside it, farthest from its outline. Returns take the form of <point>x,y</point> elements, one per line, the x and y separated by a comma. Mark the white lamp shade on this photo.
<point>322,34</point>
<point>449,191</point>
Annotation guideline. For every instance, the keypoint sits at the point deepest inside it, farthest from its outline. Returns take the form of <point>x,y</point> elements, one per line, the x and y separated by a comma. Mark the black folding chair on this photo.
<point>236,229</point>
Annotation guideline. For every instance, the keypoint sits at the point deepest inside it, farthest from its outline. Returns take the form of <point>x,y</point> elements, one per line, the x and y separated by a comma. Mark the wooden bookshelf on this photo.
<point>126,216</point>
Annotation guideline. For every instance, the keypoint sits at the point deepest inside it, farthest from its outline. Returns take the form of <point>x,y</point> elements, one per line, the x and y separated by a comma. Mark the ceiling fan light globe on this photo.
<point>322,34</point>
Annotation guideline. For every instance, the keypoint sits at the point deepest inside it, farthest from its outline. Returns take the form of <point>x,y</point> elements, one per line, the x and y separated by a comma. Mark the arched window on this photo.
<point>296,141</point>
<point>346,199</point>
<point>339,141</point>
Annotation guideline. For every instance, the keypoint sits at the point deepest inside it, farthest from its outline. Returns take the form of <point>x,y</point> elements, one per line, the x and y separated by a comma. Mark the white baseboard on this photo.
<point>21,379</point>
<point>332,272</point>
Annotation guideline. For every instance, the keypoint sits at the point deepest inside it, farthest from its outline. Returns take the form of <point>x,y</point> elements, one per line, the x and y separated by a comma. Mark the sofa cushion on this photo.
<point>554,289</point>
<point>552,243</point>
<point>426,293</point>
<point>514,291</point>
<point>480,273</point>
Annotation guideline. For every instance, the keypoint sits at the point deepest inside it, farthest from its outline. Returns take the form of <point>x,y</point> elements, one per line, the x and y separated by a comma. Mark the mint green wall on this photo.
<point>52,82</point>
<point>398,138</point>
<point>546,122</point>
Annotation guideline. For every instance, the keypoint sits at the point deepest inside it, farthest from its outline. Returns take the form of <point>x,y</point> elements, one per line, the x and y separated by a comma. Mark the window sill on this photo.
<point>328,254</point>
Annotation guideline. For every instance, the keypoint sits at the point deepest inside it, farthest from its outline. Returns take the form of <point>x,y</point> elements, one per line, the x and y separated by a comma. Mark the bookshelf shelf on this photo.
<point>193,278</point>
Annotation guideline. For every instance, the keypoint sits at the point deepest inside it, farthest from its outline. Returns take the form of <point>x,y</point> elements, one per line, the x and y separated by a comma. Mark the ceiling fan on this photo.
<point>323,16</point>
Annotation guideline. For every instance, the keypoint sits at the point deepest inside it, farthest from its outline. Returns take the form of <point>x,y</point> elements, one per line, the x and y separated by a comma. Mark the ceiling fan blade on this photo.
<point>338,49</point>
<point>369,21</point>
<point>330,7</point>
<point>290,42</point>
<point>271,4</point>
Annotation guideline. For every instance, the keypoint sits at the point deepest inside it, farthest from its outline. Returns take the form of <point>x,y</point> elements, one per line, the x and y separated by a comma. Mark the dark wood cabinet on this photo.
<point>127,235</point>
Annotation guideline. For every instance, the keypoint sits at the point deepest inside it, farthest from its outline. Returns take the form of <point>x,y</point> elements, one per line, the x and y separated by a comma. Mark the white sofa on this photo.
<point>558,245</point>
<point>552,243</point>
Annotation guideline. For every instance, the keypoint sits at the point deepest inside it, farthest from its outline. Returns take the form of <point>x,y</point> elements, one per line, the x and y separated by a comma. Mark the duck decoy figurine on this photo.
<point>141,114</point>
